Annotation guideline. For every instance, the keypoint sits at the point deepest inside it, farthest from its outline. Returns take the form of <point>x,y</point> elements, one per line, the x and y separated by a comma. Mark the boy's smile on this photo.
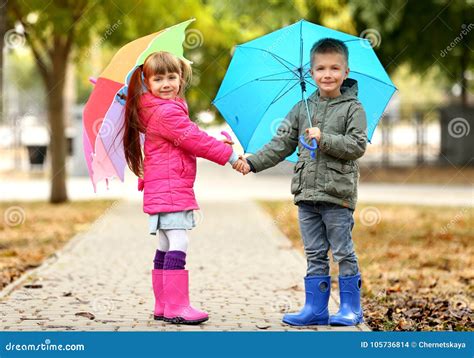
<point>329,71</point>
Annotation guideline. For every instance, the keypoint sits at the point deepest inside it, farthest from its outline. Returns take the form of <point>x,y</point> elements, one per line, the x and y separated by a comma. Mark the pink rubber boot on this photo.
<point>157,279</point>
<point>177,306</point>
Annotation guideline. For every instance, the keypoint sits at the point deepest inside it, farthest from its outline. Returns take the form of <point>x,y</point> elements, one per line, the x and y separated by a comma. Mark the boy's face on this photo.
<point>329,70</point>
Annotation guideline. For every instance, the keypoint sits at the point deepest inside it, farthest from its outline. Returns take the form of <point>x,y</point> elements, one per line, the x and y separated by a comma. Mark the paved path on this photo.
<point>243,272</point>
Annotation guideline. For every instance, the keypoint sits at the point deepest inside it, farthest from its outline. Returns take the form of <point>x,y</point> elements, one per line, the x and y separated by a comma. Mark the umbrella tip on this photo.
<point>93,80</point>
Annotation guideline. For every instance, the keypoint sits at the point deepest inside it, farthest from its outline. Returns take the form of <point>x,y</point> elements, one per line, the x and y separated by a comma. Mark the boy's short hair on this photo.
<point>329,45</point>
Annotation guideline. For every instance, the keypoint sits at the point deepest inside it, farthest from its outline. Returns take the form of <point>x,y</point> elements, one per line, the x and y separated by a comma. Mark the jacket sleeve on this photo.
<point>352,144</point>
<point>175,125</point>
<point>281,146</point>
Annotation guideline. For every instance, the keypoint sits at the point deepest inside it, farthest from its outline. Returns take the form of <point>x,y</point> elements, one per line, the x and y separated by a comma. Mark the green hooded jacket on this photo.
<point>333,175</point>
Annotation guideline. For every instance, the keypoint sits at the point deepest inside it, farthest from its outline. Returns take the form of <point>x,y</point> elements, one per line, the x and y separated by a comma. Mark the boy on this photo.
<point>325,188</point>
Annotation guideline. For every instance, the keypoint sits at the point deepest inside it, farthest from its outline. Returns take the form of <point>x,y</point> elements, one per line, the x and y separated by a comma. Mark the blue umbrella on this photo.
<point>269,75</point>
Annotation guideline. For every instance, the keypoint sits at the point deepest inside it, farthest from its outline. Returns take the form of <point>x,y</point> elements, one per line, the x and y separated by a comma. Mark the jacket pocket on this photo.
<point>183,165</point>
<point>297,180</point>
<point>340,180</point>
<point>188,164</point>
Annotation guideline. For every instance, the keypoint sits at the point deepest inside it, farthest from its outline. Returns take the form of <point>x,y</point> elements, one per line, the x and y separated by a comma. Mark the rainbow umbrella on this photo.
<point>103,114</point>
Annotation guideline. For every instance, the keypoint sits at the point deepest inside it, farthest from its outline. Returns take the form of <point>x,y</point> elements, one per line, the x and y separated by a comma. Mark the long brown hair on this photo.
<point>157,63</point>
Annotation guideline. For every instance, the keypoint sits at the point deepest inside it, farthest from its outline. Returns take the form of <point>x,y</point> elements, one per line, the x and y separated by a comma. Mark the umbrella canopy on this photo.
<point>267,77</point>
<point>103,114</point>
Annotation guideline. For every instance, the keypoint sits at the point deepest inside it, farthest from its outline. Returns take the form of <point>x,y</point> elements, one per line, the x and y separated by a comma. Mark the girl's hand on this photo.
<point>226,141</point>
<point>314,132</point>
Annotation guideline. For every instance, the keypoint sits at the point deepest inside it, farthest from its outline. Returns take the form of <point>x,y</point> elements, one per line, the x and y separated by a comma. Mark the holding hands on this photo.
<point>241,165</point>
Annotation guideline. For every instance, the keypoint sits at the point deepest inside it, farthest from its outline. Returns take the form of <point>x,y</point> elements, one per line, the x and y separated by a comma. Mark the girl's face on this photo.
<point>165,86</point>
<point>329,71</point>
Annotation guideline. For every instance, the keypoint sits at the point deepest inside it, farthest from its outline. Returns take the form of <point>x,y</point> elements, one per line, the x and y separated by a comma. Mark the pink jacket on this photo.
<point>172,143</point>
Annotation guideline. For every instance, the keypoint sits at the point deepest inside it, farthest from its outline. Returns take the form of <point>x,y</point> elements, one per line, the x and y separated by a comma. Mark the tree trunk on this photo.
<point>56,116</point>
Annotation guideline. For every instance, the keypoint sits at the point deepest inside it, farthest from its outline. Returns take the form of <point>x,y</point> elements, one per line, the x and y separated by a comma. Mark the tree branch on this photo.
<point>36,45</point>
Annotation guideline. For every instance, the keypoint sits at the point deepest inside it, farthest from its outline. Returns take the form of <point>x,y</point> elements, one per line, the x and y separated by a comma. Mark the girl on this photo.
<point>155,106</point>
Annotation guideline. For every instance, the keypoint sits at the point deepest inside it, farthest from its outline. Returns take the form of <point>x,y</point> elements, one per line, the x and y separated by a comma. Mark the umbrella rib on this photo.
<point>301,45</point>
<point>274,74</point>
<point>312,84</point>
<point>279,96</point>
<point>246,83</point>
<point>276,57</point>
<point>279,79</point>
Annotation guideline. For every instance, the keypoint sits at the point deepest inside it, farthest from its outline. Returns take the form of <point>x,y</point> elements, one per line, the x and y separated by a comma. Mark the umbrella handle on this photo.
<point>312,147</point>
<point>227,136</point>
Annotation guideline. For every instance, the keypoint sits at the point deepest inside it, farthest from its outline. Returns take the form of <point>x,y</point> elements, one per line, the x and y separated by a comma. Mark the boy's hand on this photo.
<point>314,132</point>
<point>241,165</point>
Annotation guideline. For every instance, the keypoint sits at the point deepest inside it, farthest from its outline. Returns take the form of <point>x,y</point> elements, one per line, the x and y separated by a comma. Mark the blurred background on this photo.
<point>414,224</point>
<point>51,49</point>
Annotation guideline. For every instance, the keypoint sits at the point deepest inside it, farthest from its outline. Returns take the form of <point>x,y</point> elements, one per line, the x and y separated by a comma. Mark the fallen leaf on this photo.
<point>86,315</point>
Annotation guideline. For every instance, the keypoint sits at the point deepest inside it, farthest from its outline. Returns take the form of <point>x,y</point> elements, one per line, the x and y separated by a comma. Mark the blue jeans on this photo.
<point>327,226</point>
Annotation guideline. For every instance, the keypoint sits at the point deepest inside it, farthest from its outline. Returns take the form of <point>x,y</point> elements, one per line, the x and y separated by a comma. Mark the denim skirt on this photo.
<point>179,220</point>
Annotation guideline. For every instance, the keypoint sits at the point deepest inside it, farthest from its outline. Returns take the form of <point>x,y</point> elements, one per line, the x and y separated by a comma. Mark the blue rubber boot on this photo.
<point>350,312</point>
<point>315,310</point>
